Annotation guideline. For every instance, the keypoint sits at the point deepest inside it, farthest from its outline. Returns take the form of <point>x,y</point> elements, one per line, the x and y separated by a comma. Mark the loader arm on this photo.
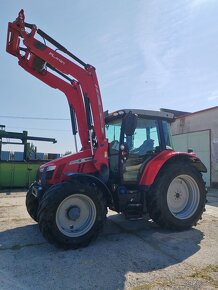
<point>76,79</point>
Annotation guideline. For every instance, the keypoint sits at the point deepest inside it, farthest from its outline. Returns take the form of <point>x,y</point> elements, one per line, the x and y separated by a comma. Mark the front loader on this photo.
<point>126,161</point>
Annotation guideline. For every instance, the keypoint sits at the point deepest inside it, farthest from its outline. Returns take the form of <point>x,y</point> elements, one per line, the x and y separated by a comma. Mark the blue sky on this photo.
<point>148,54</point>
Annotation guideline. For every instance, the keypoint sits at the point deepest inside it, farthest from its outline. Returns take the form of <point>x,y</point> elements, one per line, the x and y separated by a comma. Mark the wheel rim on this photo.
<point>183,196</point>
<point>76,215</point>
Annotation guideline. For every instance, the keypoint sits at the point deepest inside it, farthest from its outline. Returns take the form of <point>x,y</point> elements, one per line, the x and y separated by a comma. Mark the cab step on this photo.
<point>134,211</point>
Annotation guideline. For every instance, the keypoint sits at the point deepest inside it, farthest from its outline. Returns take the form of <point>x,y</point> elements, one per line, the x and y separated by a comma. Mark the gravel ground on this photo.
<point>127,255</point>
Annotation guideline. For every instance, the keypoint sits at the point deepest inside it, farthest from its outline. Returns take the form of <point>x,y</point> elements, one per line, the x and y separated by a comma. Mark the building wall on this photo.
<point>199,142</point>
<point>202,120</point>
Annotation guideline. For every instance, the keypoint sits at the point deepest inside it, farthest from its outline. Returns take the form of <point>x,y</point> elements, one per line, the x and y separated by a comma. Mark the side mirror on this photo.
<point>129,124</point>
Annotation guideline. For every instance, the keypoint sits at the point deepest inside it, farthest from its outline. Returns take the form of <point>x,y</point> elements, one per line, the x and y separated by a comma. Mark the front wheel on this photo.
<point>177,198</point>
<point>72,214</point>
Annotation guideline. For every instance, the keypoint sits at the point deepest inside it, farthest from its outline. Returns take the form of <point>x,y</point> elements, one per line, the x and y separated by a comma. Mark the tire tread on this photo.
<point>48,206</point>
<point>155,208</point>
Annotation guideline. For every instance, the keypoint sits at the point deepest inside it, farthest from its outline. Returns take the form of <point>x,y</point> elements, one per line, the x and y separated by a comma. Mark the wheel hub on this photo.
<point>73,213</point>
<point>177,195</point>
<point>183,196</point>
<point>76,215</point>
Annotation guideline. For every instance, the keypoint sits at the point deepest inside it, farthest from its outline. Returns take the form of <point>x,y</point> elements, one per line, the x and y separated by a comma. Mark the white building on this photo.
<point>199,131</point>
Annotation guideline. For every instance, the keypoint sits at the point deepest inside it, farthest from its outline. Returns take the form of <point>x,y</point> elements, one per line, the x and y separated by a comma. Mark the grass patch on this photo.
<point>143,287</point>
<point>204,273</point>
<point>148,286</point>
<point>9,206</point>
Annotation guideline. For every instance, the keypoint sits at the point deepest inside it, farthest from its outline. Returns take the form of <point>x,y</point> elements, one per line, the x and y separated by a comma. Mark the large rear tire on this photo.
<point>71,214</point>
<point>177,198</point>
<point>32,204</point>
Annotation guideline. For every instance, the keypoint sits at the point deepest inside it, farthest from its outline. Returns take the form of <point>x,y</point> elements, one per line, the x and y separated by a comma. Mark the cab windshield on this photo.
<point>113,130</point>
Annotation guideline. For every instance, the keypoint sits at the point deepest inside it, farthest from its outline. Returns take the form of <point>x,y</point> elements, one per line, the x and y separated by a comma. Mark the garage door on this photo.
<point>200,143</point>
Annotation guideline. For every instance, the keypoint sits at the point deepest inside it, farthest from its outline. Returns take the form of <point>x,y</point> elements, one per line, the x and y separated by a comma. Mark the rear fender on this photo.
<point>163,159</point>
<point>90,178</point>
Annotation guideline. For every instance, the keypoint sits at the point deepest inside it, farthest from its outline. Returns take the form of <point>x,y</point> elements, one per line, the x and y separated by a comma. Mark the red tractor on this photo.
<point>126,161</point>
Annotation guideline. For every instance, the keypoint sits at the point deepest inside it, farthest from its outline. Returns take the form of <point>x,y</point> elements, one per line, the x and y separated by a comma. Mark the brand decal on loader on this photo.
<point>57,58</point>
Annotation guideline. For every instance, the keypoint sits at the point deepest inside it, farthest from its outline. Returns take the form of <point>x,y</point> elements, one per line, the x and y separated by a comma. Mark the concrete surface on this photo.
<point>127,255</point>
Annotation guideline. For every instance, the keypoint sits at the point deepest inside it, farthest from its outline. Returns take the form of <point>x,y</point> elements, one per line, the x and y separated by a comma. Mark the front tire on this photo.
<point>178,197</point>
<point>71,214</point>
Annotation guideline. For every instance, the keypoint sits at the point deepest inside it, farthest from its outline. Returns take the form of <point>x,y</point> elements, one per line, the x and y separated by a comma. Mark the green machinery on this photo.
<point>19,173</point>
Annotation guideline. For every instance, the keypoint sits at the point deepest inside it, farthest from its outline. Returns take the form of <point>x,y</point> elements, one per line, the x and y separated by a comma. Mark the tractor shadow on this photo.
<point>29,262</point>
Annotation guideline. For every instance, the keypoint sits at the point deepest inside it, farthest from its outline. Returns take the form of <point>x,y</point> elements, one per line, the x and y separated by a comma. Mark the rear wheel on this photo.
<point>178,196</point>
<point>32,204</point>
<point>71,214</point>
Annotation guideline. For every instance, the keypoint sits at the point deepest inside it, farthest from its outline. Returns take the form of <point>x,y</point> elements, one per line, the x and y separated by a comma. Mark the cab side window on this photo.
<point>145,138</point>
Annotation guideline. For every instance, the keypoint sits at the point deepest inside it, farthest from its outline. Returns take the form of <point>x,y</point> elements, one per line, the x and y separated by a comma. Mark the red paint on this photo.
<point>86,84</point>
<point>152,168</point>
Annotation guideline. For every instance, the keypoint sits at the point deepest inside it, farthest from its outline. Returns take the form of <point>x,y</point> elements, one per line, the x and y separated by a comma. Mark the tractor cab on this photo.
<point>135,137</point>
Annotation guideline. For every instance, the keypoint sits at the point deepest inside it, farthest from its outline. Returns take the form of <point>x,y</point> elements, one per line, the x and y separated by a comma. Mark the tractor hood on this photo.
<point>57,170</point>
<point>74,158</point>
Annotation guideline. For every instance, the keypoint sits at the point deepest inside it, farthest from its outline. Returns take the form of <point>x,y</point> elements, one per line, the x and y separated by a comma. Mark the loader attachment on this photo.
<point>17,29</point>
<point>59,68</point>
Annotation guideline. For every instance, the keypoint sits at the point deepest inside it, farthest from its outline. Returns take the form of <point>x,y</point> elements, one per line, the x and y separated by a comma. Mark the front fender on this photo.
<point>91,178</point>
<point>154,166</point>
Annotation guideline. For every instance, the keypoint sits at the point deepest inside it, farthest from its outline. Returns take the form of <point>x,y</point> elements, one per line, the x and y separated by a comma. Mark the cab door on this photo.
<point>140,147</point>
<point>113,130</point>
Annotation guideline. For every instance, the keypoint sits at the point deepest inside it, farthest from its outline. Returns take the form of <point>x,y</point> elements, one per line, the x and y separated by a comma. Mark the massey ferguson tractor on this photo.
<point>126,161</point>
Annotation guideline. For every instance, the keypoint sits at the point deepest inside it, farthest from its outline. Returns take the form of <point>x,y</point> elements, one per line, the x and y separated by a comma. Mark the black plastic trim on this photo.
<point>60,47</point>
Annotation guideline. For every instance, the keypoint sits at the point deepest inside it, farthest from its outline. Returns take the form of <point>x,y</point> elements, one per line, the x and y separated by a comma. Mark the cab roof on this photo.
<point>140,113</point>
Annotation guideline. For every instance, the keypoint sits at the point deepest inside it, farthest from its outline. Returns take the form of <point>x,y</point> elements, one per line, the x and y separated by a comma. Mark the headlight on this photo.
<point>50,168</point>
<point>46,173</point>
<point>49,171</point>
